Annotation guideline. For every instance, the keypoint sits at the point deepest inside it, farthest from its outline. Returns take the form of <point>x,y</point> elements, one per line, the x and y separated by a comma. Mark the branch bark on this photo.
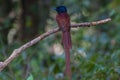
<point>18,51</point>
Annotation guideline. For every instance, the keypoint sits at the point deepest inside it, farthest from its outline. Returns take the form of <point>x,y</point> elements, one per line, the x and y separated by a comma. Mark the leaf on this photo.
<point>30,77</point>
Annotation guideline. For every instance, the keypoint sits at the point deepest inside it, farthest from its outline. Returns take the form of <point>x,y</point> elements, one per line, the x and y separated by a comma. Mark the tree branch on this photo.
<point>18,51</point>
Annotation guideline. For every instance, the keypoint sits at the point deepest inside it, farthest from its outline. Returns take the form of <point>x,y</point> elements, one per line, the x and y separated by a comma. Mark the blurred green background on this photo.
<point>96,50</point>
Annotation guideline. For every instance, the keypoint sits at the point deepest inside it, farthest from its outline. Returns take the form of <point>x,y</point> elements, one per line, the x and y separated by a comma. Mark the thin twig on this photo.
<point>19,50</point>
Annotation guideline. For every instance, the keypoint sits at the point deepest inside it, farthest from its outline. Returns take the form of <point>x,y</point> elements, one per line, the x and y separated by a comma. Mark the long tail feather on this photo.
<point>68,70</point>
<point>66,39</point>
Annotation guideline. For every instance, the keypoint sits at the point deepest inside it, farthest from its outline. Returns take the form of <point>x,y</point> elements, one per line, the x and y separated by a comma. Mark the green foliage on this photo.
<point>30,77</point>
<point>95,54</point>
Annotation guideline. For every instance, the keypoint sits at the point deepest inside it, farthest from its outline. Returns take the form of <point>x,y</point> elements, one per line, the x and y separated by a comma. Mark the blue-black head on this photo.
<point>61,9</point>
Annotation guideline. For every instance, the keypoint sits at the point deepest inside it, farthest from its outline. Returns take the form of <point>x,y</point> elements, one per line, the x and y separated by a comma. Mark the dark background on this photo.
<point>96,50</point>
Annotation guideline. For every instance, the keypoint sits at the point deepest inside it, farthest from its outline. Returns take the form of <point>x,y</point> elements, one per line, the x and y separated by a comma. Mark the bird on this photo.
<point>63,21</point>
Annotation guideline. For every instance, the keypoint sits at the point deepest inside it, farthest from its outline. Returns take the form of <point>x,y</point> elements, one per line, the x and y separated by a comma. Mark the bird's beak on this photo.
<point>53,8</point>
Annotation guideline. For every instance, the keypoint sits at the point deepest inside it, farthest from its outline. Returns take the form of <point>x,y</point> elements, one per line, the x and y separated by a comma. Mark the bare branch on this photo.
<point>18,51</point>
<point>87,24</point>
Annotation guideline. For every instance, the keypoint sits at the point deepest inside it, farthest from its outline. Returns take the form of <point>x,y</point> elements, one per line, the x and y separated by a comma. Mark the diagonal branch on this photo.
<point>19,50</point>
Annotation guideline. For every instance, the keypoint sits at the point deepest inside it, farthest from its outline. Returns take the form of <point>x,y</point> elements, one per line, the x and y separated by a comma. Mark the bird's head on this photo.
<point>61,9</point>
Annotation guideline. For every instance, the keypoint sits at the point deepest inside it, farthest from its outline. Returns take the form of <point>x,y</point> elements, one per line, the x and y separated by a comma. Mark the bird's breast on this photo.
<point>63,20</point>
